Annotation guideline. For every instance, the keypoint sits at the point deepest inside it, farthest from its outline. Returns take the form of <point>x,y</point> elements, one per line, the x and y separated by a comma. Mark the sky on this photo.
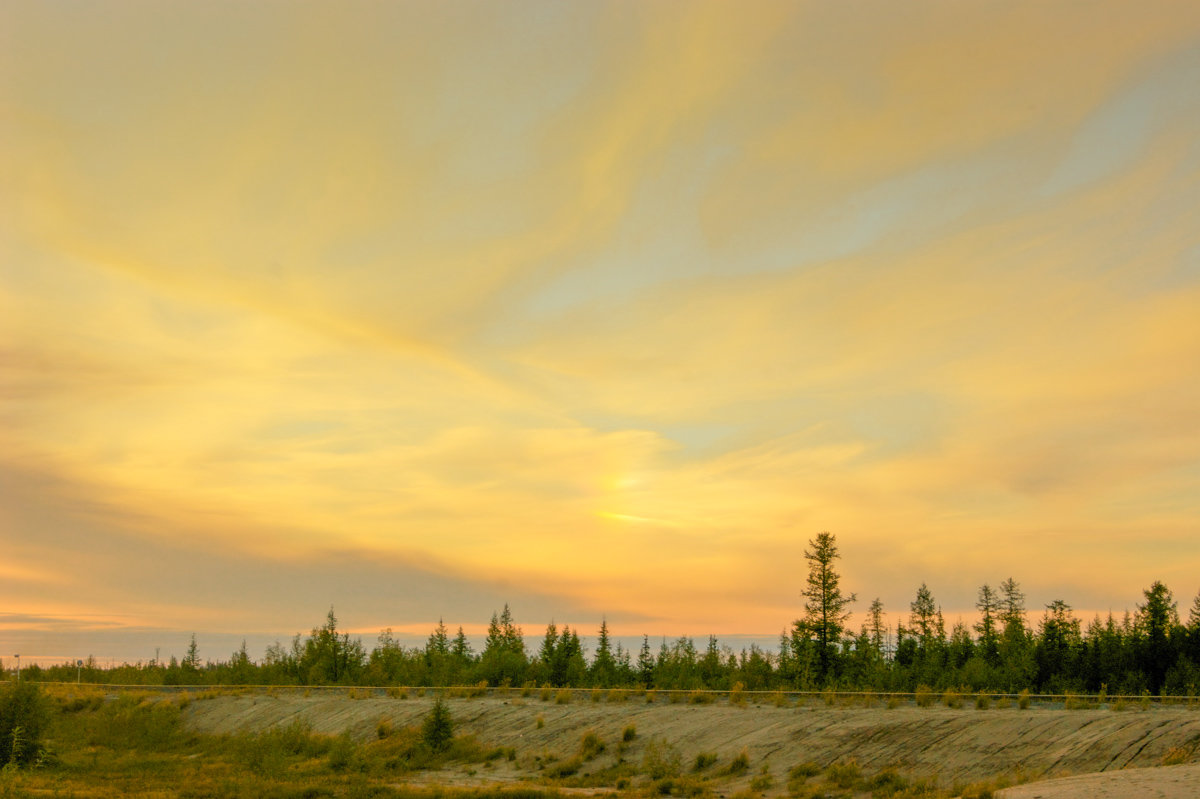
<point>598,309</point>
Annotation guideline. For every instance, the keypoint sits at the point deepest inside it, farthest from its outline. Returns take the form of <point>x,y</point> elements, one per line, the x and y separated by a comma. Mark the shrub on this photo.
<point>924,696</point>
<point>563,697</point>
<point>545,693</point>
<point>704,760</point>
<point>803,771</point>
<point>1023,699</point>
<point>887,783</point>
<point>541,721</point>
<point>342,752</point>
<point>1175,756</point>
<point>952,699</point>
<point>780,700</point>
<point>740,763</point>
<point>982,701</point>
<point>590,745</point>
<point>660,760</point>
<point>438,728</point>
<point>700,698</point>
<point>564,768</point>
<point>844,775</point>
<point>629,733</point>
<point>762,782</point>
<point>737,694</point>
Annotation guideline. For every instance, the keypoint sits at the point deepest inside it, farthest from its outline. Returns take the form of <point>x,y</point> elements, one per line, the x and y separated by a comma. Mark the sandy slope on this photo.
<point>956,744</point>
<point>1166,782</point>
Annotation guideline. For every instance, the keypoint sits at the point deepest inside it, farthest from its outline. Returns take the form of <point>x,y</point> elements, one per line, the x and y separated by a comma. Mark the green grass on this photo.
<point>135,744</point>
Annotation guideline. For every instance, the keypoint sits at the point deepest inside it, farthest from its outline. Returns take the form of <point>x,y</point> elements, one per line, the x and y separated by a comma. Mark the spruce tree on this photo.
<point>439,641</point>
<point>988,604</point>
<point>645,663</point>
<point>437,731</point>
<point>604,664</point>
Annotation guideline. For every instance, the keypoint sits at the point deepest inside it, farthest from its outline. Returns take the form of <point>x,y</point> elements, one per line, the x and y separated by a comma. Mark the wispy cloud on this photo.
<point>607,300</point>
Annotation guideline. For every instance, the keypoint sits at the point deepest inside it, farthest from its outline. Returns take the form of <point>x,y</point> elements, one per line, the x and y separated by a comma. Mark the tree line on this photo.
<point>1150,650</point>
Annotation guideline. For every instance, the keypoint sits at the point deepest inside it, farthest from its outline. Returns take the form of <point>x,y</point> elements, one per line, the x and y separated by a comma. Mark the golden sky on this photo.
<point>597,308</point>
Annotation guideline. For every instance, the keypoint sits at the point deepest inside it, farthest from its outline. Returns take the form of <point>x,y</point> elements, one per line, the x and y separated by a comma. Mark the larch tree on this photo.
<point>825,604</point>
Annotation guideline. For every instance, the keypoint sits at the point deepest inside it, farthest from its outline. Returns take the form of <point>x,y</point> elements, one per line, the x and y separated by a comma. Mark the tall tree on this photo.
<point>1012,609</point>
<point>439,641</point>
<point>645,663</point>
<point>988,605</point>
<point>1155,621</point>
<point>875,629</point>
<point>461,648</point>
<point>825,605</point>
<point>604,665</point>
<point>923,617</point>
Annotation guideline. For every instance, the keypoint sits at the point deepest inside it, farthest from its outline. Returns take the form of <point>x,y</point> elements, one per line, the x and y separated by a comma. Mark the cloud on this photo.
<point>618,303</point>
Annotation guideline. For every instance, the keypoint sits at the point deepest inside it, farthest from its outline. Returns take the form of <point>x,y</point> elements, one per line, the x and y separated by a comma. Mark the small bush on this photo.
<point>341,752</point>
<point>565,768</point>
<point>887,783</point>
<point>383,729</point>
<point>893,702</point>
<point>546,692</point>
<point>704,760</point>
<point>1176,755</point>
<point>737,694</point>
<point>1003,703</point>
<point>982,701</point>
<point>700,698</point>
<point>629,733</point>
<point>830,697</point>
<point>844,775</point>
<point>779,699</point>
<point>1074,702</point>
<point>563,697</point>
<point>978,790</point>
<point>952,699</point>
<point>591,745</point>
<point>596,694</point>
<point>739,764</point>
<point>541,721</point>
<point>803,771</point>
<point>924,696</point>
<point>762,782</point>
<point>1023,699</point>
<point>660,760</point>
<point>650,697</point>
